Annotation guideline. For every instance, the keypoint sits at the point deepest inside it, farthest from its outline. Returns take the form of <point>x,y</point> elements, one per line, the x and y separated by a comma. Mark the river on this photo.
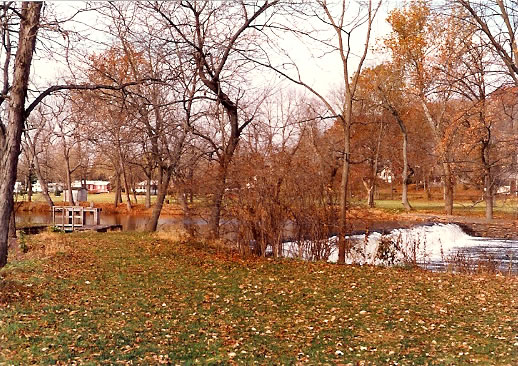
<point>128,222</point>
<point>434,246</point>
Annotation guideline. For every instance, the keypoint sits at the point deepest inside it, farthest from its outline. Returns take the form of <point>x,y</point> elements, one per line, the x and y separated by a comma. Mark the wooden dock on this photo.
<point>73,218</point>
<point>36,229</point>
<point>69,218</point>
<point>100,228</point>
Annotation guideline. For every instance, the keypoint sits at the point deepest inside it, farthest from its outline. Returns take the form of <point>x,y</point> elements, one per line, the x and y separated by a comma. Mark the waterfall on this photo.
<point>433,244</point>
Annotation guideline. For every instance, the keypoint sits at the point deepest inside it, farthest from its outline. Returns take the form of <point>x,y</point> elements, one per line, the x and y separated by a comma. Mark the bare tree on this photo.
<point>219,36</point>
<point>36,141</point>
<point>344,29</point>
<point>20,25</point>
<point>387,88</point>
<point>425,45</point>
<point>487,140</point>
<point>498,21</point>
<point>15,87</point>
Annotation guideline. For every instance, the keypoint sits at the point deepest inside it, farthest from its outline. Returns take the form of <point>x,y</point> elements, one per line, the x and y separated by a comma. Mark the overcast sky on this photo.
<point>324,73</point>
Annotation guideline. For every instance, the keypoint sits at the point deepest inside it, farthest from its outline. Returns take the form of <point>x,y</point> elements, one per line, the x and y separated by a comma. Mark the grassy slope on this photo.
<point>503,208</point>
<point>135,297</point>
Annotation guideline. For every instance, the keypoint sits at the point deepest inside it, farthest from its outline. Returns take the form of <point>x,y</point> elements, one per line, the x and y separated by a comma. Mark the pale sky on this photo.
<point>322,73</point>
<point>325,74</point>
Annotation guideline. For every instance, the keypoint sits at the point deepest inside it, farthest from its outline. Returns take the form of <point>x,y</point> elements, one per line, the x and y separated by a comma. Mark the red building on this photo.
<point>94,186</point>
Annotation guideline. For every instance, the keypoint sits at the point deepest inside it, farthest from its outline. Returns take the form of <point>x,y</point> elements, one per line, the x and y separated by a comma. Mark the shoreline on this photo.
<point>170,210</point>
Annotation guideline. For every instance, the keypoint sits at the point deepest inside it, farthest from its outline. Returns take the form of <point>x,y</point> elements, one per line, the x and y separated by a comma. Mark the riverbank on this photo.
<point>140,298</point>
<point>360,219</point>
<point>169,209</point>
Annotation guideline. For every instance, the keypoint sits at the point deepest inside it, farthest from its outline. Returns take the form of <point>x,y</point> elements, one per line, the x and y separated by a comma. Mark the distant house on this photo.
<point>508,184</point>
<point>52,187</point>
<point>386,175</point>
<point>503,189</point>
<point>142,186</point>
<point>18,187</point>
<point>55,187</point>
<point>36,187</point>
<point>94,186</point>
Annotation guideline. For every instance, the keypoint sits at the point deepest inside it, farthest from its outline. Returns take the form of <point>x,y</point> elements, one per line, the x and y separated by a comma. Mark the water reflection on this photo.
<point>128,222</point>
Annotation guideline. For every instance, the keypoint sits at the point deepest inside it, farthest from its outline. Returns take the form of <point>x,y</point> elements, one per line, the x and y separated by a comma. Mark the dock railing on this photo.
<point>70,217</point>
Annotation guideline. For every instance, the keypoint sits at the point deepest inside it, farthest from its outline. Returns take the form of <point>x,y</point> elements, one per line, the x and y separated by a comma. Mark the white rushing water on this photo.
<point>425,244</point>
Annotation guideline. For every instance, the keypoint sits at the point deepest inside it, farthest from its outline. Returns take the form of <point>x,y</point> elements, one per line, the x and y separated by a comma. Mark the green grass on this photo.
<point>135,298</point>
<point>503,207</point>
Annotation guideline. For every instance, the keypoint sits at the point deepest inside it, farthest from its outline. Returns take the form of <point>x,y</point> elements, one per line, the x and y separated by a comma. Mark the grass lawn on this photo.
<point>466,202</point>
<point>503,207</point>
<point>143,299</point>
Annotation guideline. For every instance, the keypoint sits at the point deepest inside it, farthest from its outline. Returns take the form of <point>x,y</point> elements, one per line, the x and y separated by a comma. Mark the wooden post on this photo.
<point>97,216</point>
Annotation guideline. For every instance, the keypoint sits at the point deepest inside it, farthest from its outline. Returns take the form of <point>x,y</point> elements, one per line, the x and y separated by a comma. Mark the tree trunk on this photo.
<point>391,188</point>
<point>370,200</point>
<point>29,186</point>
<point>404,195</point>
<point>163,185</point>
<point>427,190</point>
<point>448,188</point>
<point>514,159</point>
<point>221,178</point>
<point>342,229</point>
<point>118,191</point>
<point>488,196</point>
<point>126,188</point>
<point>405,176</point>
<point>374,172</point>
<point>187,220</point>
<point>369,187</point>
<point>488,179</point>
<point>10,137</point>
<point>217,201</point>
<point>12,224</point>
<point>43,182</point>
<point>148,192</point>
<point>134,194</point>
<point>12,231</point>
<point>447,176</point>
<point>71,200</point>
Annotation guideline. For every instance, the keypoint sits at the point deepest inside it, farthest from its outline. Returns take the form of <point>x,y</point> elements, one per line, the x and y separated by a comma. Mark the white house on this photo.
<point>141,187</point>
<point>52,187</point>
<point>386,175</point>
<point>18,187</point>
<point>36,187</point>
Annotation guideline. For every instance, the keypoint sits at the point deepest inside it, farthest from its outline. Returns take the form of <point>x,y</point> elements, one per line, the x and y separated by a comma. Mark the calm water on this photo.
<point>128,222</point>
